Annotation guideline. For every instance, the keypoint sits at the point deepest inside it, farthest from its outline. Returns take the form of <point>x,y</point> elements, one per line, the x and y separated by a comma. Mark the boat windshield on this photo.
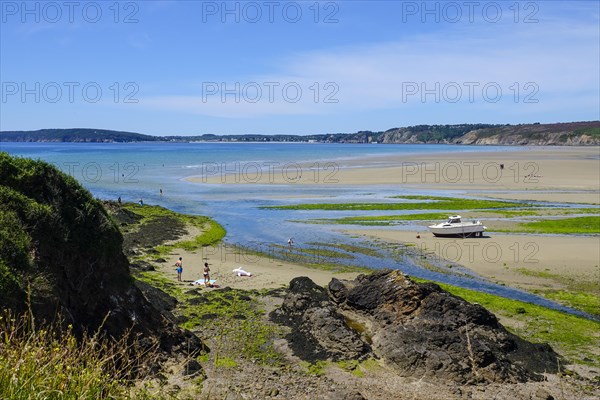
<point>454,220</point>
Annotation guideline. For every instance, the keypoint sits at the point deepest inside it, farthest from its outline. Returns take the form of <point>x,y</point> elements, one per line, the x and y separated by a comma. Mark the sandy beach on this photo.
<point>524,261</point>
<point>267,272</point>
<point>565,174</point>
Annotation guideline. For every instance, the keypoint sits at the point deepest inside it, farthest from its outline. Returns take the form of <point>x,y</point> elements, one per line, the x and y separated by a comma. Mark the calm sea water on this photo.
<point>140,170</point>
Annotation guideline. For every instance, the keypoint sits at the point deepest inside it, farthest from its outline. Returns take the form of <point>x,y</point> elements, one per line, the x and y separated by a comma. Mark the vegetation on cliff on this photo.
<point>75,135</point>
<point>571,133</point>
<point>48,222</point>
<point>66,294</point>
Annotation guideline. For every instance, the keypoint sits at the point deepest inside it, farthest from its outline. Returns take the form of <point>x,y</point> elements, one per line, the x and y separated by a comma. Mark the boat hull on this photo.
<point>457,231</point>
<point>461,235</point>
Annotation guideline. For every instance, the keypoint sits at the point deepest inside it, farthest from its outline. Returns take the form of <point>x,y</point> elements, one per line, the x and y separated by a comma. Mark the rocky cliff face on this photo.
<point>419,329</point>
<point>532,136</point>
<point>70,258</point>
<point>563,134</point>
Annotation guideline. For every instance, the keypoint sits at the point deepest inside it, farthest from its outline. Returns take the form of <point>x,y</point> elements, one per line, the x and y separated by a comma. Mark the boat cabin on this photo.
<point>455,219</point>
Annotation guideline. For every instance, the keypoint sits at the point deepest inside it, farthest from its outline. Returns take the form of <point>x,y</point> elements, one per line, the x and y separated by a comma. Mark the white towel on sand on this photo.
<point>240,272</point>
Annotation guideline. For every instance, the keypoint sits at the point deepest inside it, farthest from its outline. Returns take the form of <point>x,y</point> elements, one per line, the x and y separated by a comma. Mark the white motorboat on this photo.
<point>456,227</point>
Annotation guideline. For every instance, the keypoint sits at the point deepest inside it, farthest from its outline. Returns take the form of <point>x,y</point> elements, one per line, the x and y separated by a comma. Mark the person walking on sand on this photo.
<point>179,269</point>
<point>206,274</point>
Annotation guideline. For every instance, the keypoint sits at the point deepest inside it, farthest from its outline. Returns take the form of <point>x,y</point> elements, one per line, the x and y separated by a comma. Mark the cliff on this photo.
<point>61,253</point>
<point>564,134</point>
<point>559,134</point>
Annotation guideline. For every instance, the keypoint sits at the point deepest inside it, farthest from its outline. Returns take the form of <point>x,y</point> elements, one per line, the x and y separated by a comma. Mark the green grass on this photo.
<point>52,363</point>
<point>575,337</point>
<point>587,302</point>
<point>359,368</point>
<point>150,212</point>
<point>158,280</point>
<point>545,211</point>
<point>383,220</point>
<point>233,320</point>
<point>211,232</point>
<point>226,362</point>
<point>581,225</point>
<point>582,293</point>
<point>432,203</point>
<point>592,131</point>
<point>316,369</point>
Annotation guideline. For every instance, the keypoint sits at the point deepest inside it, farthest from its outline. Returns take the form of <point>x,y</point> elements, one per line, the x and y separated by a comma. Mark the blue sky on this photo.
<point>194,67</point>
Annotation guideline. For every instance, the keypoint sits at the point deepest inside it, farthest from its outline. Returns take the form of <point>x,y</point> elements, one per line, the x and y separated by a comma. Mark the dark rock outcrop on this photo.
<point>318,330</point>
<point>71,259</point>
<point>417,328</point>
<point>163,302</point>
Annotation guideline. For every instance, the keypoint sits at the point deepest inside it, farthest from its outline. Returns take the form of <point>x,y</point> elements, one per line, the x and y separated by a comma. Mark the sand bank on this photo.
<point>570,174</point>
<point>524,261</point>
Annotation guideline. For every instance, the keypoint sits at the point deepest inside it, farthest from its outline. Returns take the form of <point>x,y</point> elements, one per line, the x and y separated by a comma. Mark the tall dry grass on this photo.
<point>52,362</point>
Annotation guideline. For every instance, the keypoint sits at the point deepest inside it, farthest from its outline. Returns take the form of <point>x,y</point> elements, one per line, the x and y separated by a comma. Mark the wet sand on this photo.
<point>524,261</point>
<point>565,174</point>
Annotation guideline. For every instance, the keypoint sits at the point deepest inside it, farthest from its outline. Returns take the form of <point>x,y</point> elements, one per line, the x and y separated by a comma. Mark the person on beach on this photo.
<point>206,274</point>
<point>119,200</point>
<point>179,269</point>
<point>141,202</point>
<point>290,242</point>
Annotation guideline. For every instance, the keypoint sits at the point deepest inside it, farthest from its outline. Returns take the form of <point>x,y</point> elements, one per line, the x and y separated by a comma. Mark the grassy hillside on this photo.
<point>73,324</point>
<point>74,135</point>
<point>571,133</point>
<point>44,212</point>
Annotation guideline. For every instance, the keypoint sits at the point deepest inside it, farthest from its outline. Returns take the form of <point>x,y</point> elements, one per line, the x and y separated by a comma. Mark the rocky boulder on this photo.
<point>318,330</point>
<point>417,328</point>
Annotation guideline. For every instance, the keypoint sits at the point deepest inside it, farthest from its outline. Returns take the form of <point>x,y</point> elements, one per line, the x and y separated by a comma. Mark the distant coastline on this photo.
<point>585,133</point>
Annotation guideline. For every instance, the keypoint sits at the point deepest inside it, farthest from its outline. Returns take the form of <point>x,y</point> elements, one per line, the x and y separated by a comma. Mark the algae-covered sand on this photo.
<point>245,301</point>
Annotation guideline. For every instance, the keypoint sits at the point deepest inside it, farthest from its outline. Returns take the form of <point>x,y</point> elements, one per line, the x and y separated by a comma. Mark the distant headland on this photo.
<point>556,134</point>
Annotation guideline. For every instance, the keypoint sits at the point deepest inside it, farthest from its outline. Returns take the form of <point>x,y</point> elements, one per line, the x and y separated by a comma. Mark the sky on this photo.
<point>295,67</point>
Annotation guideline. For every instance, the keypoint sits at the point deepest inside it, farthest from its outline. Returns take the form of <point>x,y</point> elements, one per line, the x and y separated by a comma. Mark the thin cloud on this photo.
<point>559,59</point>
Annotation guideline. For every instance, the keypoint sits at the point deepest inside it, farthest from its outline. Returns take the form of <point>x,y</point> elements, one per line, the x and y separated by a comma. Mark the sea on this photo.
<point>158,174</point>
